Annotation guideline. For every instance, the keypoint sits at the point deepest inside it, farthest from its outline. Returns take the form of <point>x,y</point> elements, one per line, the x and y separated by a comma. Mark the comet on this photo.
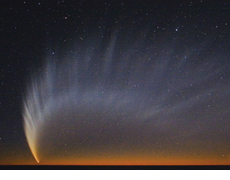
<point>103,93</point>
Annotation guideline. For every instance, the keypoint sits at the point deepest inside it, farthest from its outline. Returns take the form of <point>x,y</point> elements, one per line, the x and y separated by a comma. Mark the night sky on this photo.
<point>115,82</point>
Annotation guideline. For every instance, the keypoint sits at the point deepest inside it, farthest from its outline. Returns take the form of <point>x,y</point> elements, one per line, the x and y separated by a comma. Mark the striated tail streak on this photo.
<point>31,135</point>
<point>32,119</point>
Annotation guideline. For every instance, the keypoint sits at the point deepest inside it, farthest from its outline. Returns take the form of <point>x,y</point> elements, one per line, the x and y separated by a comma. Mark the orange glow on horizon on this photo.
<point>28,160</point>
<point>24,157</point>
